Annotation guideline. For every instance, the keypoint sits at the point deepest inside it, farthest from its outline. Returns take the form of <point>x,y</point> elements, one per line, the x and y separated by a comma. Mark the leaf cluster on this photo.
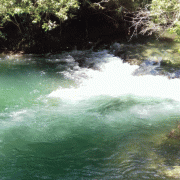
<point>166,15</point>
<point>38,11</point>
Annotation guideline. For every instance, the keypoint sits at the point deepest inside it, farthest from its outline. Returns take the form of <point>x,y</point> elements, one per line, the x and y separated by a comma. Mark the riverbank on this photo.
<point>164,50</point>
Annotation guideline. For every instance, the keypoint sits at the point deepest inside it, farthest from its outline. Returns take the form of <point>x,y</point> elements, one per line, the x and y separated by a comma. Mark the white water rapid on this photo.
<point>114,78</point>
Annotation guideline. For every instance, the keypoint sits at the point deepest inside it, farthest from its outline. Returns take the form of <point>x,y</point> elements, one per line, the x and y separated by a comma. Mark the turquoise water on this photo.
<point>62,121</point>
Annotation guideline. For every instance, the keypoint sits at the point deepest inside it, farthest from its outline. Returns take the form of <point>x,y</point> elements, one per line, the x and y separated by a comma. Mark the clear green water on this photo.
<point>60,122</point>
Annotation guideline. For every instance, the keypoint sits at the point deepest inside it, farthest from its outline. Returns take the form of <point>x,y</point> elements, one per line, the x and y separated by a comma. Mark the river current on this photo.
<point>98,121</point>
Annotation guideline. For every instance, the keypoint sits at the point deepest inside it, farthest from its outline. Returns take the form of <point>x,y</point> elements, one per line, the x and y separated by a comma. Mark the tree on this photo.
<point>36,12</point>
<point>166,14</point>
<point>32,17</point>
<point>158,17</point>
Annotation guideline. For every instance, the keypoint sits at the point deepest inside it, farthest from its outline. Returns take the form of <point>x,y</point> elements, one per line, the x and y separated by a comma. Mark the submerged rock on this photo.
<point>175,74</point>
<point>148,67</point>
<point>117,49</point>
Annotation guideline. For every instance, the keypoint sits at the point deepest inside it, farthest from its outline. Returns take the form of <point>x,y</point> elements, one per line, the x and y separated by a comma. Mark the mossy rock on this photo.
<point>174,173</point>
<point>134,61</point>
<point>166,62</point>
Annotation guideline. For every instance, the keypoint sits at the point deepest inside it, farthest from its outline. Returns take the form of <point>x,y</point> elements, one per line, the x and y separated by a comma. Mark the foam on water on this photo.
<point>114,78</point>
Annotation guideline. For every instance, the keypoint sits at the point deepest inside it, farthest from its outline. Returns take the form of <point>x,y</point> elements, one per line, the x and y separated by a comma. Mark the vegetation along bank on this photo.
<point>41,26</point>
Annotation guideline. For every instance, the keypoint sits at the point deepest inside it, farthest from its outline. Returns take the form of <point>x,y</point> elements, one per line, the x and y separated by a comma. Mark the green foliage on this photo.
<point>38,11</point>
<point>166,15</point>
<point>35,18</point>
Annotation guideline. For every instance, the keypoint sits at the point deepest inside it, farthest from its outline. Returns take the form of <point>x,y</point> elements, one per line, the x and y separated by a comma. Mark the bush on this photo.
<point>165,15</point>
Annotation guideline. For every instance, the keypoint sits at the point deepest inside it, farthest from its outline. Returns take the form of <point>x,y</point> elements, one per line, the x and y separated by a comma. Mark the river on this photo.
<point>98,121</point>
